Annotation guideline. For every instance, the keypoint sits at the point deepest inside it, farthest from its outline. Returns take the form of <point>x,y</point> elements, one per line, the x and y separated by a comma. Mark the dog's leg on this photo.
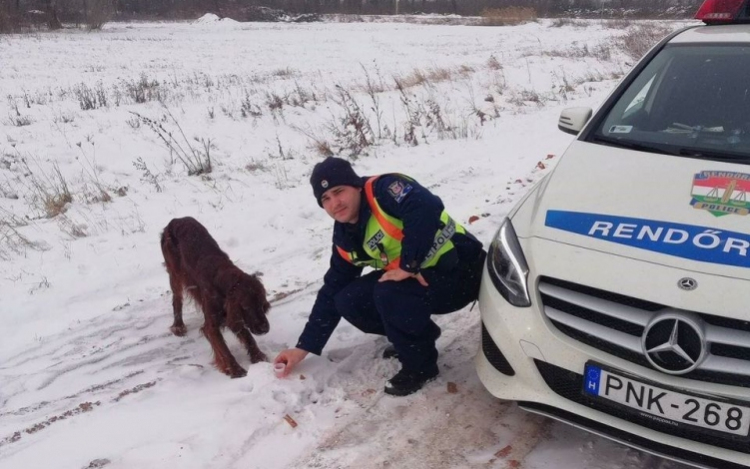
<point>178,327</point>
<point>223,358</point>
<point>247,339</point>
<point>172,262</point>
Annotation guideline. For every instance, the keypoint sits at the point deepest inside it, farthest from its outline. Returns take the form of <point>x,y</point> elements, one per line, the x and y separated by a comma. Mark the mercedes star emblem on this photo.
<point>687,283</point>
<point>675,343</point>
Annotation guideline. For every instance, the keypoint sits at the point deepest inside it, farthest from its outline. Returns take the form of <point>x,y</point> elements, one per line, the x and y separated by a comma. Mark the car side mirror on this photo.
<point>573,119</point>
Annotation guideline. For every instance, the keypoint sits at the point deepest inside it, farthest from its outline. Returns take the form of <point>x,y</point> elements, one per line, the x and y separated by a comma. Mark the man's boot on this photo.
<point>408,382</point>
<point>390,352</point>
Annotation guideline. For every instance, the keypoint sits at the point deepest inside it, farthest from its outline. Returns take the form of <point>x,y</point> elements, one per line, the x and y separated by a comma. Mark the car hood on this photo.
<point>680,212</point>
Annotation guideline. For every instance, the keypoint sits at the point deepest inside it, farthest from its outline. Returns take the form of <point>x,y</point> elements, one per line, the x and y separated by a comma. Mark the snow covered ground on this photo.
<point>90,375</point>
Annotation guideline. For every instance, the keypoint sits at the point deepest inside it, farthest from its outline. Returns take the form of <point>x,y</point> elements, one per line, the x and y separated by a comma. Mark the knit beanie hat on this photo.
<point>330,173</point>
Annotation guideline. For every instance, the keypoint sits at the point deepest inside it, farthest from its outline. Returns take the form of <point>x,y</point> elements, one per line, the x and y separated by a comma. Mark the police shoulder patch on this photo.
<point>398,190</point>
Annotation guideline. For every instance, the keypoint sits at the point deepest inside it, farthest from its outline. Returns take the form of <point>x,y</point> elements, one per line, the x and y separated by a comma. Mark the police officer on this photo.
<point>424,263</point>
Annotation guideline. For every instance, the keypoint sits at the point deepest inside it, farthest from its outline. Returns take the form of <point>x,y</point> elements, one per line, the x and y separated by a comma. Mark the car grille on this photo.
<point>614,323</point>
<point>569,385</point>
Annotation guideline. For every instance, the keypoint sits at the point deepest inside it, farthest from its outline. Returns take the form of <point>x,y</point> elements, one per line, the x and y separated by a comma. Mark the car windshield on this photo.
<point>689,100</point>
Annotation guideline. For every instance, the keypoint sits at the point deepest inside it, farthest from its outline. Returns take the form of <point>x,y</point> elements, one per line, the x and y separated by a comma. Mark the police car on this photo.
<point>616,296</point>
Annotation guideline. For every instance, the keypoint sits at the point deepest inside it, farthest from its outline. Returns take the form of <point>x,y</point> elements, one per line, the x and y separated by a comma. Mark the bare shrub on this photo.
<point>51,192</point>
<point>63,117</point>
<point>284,72</point>
<point>320,145</point>
<point>274,102</point>
<point>493,63</point>
<point>414,114</point>
<point>560,22</point>
<point>507,16</point>
<point>415,78</point>
<point>133,122</point>
<point>323,148</point>
<point>526,96</point>
<point>144,90</point>
<point>602,52</point>
<point>90,98</point>
<point>435,119</point>
<point>299,97</point>
<point>254,166</point>
<point>13,242</point>
<point>620,23</point>
<point>419,77</point>
<point>19,120</point>
<point>352,131</point>
<point>146,174</point>
<point>71,228</point>
<point>571,22</point>
<point>372,92</point>
<point>16,118</point>
<point>196,161</point>
<point>99,193</point>
<point>248,108</point>
<point>641,38</point>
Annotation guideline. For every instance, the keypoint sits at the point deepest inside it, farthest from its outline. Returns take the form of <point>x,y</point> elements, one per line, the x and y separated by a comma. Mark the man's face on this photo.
<point>342,203</point>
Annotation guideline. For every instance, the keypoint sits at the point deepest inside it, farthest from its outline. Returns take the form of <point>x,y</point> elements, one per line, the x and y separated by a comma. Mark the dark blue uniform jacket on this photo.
<point>419,210</point>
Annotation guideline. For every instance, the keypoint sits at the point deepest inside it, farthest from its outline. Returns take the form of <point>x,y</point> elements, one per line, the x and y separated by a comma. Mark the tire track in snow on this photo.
<point>113,356</point>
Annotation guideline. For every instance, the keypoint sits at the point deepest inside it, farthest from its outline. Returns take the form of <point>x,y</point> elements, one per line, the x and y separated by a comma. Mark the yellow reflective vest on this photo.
<point>384,233</point>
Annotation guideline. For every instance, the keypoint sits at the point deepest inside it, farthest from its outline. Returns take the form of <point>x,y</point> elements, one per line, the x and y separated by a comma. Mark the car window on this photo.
<point>639,100</point>
<point>688,99</point>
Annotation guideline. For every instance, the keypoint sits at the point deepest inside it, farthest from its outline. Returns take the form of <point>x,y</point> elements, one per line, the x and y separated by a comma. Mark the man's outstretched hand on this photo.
<point>396,275</point>
<point>290,358</point>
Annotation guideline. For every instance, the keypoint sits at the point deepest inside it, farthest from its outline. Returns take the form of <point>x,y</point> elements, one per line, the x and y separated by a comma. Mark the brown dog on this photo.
<point>227,295</point>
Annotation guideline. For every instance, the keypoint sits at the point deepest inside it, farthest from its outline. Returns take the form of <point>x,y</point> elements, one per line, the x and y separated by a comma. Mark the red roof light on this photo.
<point>720,11</point>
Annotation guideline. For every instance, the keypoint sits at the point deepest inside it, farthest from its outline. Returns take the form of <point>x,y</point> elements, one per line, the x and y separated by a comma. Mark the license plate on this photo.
<point>666,405</point>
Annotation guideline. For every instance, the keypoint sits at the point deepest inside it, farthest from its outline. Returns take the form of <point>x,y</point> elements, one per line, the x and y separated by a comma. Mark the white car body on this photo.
<point>614,223</point>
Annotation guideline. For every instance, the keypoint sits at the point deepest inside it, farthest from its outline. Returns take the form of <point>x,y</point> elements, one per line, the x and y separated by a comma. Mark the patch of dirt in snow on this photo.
<point>453,422</point>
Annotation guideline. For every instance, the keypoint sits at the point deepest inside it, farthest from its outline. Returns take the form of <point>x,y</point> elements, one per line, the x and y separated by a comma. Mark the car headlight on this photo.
<point>507,266</point>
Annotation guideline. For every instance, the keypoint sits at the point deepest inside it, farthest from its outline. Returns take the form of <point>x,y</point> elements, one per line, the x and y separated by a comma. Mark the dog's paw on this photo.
<point>237,373</point>
<point>179,331</point>
<point>258,357</point>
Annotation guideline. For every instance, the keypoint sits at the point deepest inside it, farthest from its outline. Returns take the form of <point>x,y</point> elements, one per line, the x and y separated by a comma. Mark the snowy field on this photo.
<point>103,139</point>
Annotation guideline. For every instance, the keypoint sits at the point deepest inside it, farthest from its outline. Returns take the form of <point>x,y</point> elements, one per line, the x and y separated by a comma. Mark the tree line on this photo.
<point>15,14</point>
<point>167,8</point>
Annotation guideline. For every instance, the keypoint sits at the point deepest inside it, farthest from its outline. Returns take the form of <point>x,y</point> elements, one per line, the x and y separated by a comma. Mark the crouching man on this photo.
<point>424,263</point>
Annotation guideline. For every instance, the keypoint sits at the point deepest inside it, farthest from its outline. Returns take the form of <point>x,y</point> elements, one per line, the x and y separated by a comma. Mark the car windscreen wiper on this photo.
<point>704,154</point>
<point>638,146</point>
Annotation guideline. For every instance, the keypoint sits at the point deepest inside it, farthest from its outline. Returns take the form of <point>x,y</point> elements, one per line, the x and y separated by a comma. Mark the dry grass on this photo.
<point>620,23</point>
<point>560,22</point>
<point>12,242</point>
<point>285,72</point>
<point>493,63</point>
<point>50,190</point>
<point>419,77</point>
<point>197,161</point>
<point>509,16</point>
<point>601,52</point>
<point>641,38</point>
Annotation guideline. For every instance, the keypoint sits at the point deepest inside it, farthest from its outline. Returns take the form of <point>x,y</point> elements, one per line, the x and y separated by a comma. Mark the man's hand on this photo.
<point>290,358</point>
<point>396,275</point>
